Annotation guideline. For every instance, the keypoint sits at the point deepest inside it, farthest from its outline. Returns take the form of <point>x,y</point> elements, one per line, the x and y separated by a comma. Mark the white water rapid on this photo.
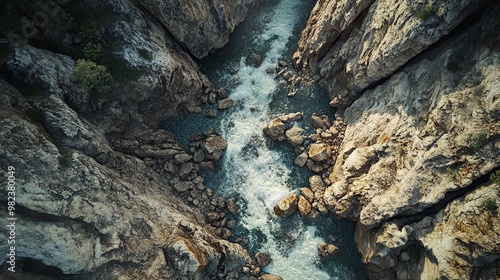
<point>258,175</point>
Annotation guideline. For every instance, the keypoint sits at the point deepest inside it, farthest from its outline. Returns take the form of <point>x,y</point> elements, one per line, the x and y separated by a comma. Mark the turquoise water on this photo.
<point>256,171</point>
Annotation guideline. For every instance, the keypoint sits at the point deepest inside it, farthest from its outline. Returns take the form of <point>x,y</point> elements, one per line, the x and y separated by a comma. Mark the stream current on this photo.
<point>257,172</point>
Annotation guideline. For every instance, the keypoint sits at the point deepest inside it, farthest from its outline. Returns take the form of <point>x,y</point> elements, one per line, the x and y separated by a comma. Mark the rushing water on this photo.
<point>257,172</point>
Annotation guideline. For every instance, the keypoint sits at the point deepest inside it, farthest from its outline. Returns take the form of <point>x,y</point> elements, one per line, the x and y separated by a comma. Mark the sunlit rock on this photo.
<point>286,206</point>
<point>320,151</point>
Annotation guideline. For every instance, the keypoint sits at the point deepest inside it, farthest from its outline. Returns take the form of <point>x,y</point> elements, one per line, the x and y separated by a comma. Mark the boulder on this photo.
<point>307,193</point>
<point>254,60</point>
<point>286,206</point>
<point>214,146</point>
<point>225,104</point>
<point>301,160</point>
<point>327,250</point>
<point>275,129</point>
<point>317,121</point>
<point>316,183</point>
<point>320,151</point>
<point>182,158</point>
<point>294,136</point>
<point>268,276</point>
<point>304,206</point>
<point>263,259</point>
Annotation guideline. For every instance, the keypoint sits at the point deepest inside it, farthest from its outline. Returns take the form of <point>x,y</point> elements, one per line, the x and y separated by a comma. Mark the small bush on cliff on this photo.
<point>64,161</point>
<point>477,141</point>
<point>93,77</point>
<point>147,55</point>
<point>424,12</point>
<point>93,51</point>
<point>495,177</point>
<point>490,204</point>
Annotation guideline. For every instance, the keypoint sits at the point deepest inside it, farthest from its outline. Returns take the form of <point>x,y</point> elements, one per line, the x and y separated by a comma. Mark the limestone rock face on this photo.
<point>91,210</point>
<point>286,206</point>
<point>375,43</point>
<point>429,130</point>
<point>412,156</point>
<point>201,26</point>
<point>464,236</point>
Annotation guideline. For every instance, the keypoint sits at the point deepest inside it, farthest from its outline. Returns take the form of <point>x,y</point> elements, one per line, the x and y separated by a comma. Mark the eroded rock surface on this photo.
<point>374,43</point>
<point>206,21</point>
<point>88,209</point>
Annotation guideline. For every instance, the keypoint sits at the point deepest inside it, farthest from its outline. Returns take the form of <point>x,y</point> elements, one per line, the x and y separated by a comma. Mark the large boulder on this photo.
<point>286,206</point>
<point>304,206</point>
<point>275,129</point>
<point>320,151</point>
<point>214,146</point>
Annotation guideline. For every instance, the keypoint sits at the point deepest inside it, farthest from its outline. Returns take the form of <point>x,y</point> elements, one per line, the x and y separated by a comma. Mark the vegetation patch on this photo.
<point>495,177</point>
<point>490,204</point>
<point>147,55</point>
<point>452,172</point>
<point>423,12</point>
<point>94,52</point>
<point>64,161</point>
<point>93,77</point>
<point>477,141</point>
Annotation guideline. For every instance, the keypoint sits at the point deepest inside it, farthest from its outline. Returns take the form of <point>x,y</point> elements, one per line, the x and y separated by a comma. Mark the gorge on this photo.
<point>171,161</point>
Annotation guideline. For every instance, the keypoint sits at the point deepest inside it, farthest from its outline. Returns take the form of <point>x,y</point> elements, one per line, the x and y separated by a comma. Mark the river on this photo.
<point>257,172</point>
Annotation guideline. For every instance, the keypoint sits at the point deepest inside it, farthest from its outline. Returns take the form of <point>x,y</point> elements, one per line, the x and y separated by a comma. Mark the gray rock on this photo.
<point>214,146</point>
<point>263,259</point>
<point>202,27</point>
<point>301,159</point>
<point>294,136</point>
<point>225,104</point>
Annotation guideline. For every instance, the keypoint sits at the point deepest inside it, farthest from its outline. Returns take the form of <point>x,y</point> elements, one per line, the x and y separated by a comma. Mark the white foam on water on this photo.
<point>259,175</point>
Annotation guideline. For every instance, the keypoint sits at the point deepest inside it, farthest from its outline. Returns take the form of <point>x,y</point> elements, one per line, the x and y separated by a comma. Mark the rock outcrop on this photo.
<point>88,209</point>
<point>419,86</point>
<point>351,45</point>
<point>99,192</point>
<point>207,21</point>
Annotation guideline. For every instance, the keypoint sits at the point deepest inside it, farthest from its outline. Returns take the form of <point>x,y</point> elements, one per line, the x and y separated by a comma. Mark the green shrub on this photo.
<point>93,51</point>
<point>495,177</point>
<point>64,161</point>
<point>35,114</point>
<point>5,51</point>
<point>122,74</point>
<point>490,204</point>
<point>93,76</point>
<point>453,66</point>
<point>477,141</point>
<point>147,55</point>
<point>452,171</point>
<point>424,12</point>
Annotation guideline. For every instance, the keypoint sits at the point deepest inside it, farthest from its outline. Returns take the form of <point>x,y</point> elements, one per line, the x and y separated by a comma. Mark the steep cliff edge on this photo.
<point>422,131</point>
<point>348,46</point>
<point>84,208</point>
<point>205,21</point>
<point>100,192</point>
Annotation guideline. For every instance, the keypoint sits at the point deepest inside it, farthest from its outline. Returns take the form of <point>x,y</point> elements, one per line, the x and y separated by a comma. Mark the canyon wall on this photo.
<point>100,192</point>
<point>417,85</point>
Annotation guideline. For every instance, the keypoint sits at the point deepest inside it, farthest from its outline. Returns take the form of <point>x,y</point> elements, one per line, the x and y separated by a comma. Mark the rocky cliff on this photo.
<point>100,192</point>
<point>418,85</point>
